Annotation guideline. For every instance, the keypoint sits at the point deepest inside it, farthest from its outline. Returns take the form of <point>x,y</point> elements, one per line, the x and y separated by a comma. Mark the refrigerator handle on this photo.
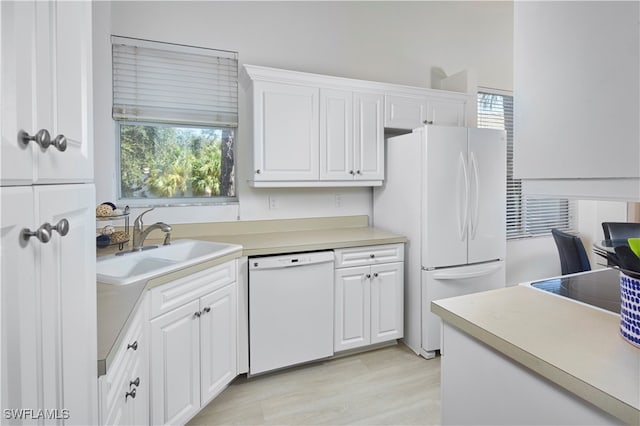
<point>476,200</point>
<point>463,213</point>
<point>466,275</point>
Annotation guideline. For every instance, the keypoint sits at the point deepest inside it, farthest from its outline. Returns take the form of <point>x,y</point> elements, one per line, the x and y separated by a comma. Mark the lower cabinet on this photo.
<point>124,390</point>
<point>193,354</point>
<point>369,296</point>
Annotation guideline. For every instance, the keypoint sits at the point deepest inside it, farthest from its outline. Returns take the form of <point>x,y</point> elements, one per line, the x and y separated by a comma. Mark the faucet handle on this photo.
<point>138,222</point>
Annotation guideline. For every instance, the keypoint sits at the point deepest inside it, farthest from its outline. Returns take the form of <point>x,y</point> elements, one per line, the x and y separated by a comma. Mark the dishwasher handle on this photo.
<point>290,261</point>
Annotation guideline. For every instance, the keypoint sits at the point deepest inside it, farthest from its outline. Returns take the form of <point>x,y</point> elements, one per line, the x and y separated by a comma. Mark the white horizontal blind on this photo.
<point>168,83</point>
<point>526,216</point>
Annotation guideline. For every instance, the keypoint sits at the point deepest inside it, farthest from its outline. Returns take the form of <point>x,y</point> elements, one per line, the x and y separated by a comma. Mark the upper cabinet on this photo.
<point>46,93</point>
<point>577,98</point>
<point>412,111</point>
<point>314,130</point>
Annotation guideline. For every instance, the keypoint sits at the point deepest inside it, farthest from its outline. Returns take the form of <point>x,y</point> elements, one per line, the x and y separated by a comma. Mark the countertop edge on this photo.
<point>586,391</point>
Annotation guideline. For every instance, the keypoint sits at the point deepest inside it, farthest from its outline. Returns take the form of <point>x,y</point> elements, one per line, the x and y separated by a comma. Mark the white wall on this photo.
<point>412,43</point>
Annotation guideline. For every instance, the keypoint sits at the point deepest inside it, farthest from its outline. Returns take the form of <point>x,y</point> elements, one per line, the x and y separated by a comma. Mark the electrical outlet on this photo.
<point>338,200</point>
<point>273,202</point>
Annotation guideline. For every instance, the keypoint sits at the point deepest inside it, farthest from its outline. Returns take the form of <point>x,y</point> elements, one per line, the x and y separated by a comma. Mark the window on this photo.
<point>176,114</point>
<point>526,216</point>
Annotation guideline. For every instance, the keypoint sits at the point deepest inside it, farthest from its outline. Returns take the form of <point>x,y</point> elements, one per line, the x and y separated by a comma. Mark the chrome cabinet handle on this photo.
<point>44,232</point>
<point>351,172</point>
<point>197,314</point>
<point>133,346</point>
<point>258,172</point>
<point>62,227</point>
<point>60,142</point>
<point>131,394</point>
<point>368,276</point>
<point>358,172</point>
<point>43,138</point>
<point>428,121</point>
<point>375,275</point>
<point>372,255</point>
<point>206,310</point>
<point>135,382</point>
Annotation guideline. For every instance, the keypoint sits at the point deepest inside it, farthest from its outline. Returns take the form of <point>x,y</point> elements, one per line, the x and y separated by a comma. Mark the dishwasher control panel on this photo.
<point>289,260</point>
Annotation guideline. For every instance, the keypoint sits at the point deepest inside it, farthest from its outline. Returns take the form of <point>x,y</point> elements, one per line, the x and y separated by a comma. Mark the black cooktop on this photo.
<point>599,288</point>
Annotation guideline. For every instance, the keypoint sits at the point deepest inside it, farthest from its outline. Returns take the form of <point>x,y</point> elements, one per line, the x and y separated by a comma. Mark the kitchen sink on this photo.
<point>134,267</point>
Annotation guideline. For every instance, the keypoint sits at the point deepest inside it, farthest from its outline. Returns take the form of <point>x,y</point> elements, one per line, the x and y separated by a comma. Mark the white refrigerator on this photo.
<point>445,190</point>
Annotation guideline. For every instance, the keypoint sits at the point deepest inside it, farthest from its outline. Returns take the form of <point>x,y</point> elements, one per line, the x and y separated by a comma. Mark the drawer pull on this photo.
<point>133,346</point>
<point>131,394</point>
<point>375,275</point>
<point>197,314</point>
<point>206,310</point>
<point>135,382</point>
<point>368,276</point>
<point>372,255</point>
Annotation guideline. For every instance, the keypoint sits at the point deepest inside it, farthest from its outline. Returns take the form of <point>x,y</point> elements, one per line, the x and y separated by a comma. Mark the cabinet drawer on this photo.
<point>125,368</point>
<point>183,290</point>
<point>369,255</point>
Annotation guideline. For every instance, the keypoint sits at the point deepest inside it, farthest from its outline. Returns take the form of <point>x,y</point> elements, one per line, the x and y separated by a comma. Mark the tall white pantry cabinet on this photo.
<point>47,221</point>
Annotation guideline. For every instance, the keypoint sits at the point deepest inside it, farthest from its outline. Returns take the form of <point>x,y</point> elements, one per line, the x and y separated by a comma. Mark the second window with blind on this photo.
<point>176,114</point>
<point>526,216</point>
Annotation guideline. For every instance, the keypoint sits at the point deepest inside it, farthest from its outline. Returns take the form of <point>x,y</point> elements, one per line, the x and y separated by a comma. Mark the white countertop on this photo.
<point>573,345</point>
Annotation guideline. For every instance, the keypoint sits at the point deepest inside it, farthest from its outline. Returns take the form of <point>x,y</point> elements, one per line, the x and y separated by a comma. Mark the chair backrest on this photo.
<point>573,257</point>
<point>620,230</point>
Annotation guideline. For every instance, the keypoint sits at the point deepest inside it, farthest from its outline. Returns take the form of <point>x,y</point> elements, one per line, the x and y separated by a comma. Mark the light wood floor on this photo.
<point>387,386</point>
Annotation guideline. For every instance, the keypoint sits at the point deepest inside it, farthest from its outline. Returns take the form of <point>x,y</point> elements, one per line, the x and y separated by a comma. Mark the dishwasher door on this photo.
<point>290,310</point>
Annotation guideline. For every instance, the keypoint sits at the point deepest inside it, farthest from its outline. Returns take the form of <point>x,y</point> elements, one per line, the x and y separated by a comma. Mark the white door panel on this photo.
<point>451,282</point>
<point>446,189</point>
<point>487,212</point>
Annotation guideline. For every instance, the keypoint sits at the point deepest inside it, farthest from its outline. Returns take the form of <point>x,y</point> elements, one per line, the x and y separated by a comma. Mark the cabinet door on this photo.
<point>352,308</point>
<point>63,89</point>
<point>387,302</point>
<point>368,136</point>
<point>404,112</point>
<point>46,84</point>
<point>446,112</point>
<point>68,300</point>
<point>20,298</point>
<point>286,132</point>
<point>17,89</point>
<point>336,135</point>
<point>218,341</point>
<point>175,365</point>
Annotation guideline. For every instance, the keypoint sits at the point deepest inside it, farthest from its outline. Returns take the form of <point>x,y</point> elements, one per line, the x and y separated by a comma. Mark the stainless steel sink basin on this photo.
<point>143,265</point>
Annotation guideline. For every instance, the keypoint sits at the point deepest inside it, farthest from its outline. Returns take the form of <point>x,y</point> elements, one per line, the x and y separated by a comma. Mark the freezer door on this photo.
<point>451,282</point>
<point>487,200</point>
<point>445,197</point>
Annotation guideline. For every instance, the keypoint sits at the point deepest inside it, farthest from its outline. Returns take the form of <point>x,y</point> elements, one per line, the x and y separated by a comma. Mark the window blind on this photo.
<point>169,83</point>
<point>526,216</point>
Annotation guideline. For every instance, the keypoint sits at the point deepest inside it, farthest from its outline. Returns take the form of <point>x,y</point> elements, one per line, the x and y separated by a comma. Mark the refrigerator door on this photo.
<point>451,282</point>
<point>445,197</point>
<point>487,200</point>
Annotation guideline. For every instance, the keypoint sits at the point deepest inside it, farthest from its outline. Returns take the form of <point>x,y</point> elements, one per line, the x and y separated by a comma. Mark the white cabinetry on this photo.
<point>124,390</point>
<point>48,304</point>
<point>351,136</point>
<point>313,130</point>
<point>46,84</point>
<point>577,121</point>
<point>193,342</point>
<point>369,295</point>
<point>428,107</point>
<point>48,291</point>
<point>285,124</point>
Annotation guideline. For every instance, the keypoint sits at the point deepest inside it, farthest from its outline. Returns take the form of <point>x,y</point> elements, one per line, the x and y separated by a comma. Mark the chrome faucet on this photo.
<point>140,234</point>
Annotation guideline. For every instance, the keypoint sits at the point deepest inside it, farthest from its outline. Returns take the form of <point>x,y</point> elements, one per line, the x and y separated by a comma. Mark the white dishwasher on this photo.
<point>290,309</point>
